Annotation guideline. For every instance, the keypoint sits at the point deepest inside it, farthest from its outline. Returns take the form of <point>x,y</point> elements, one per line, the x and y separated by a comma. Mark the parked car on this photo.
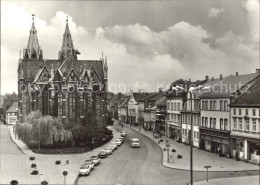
<point>102,154</point>
<point>90,163</point>
<point>123,134</point>
<point>108,150</point>
<point>114,146</point>
<point>118,142</point>
<point>122,139</point>
<point>115,143</point>
<point>84,170</point>
<point>95,159</point>
<point>135,143</point>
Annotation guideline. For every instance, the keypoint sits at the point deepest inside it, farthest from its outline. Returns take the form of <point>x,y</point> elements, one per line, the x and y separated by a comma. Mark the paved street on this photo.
<point>143,166</point>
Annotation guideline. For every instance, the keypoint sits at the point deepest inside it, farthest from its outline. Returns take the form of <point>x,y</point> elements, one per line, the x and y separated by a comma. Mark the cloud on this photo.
<point>214,12</point>
<point>138,57</point>
<point>252,7</point>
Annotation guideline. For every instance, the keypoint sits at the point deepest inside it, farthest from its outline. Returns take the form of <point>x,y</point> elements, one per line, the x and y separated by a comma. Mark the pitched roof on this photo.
<point>162,103</point>
<point>123,102</point>
<point>13,108</point>
<point>228,85</point>
<point>116,98</point>
<point>141,96</point>
<point>251,97</point>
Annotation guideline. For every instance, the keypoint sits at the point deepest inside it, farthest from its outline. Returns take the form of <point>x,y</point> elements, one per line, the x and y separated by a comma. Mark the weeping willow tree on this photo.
<point>42,130</point>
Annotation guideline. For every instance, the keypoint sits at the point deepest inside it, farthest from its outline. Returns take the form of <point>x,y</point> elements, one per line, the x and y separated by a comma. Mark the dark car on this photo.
<point>102,154</point>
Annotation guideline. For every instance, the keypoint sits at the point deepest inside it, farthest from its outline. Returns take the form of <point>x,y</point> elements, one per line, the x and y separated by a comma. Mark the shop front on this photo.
<point>245,149</point>
<point>215,141</point>
<point>174,132</point>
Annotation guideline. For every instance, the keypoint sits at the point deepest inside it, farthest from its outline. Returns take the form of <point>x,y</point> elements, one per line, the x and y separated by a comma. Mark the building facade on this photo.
<point>65,87</point>
<point>11,114</point>
<point>175,101</point>
<point>191,108</point>
<point>245,125</point>
<point>215,125</point>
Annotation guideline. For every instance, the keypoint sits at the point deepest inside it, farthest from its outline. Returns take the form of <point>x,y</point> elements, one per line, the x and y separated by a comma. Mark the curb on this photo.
<point>11,128</point>
<point>182,168</point>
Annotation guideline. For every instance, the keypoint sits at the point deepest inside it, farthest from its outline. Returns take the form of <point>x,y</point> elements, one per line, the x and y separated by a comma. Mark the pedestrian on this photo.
<point>220,151</point>
<point>237,156</point>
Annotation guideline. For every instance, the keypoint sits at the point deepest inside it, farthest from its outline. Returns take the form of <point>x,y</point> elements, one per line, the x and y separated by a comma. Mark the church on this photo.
<point>66,87</point>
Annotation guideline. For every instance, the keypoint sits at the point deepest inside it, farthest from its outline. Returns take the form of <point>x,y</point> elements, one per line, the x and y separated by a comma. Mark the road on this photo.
<point>143,166</point>
<point>7,146</point>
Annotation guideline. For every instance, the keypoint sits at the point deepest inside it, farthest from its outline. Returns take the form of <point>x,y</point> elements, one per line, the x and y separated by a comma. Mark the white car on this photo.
<point>95,159</point>
<point>123,134</point>
<point>114,147</point>
<point>122,139</point>
<point>118,142</point>
<point>135,143</point>
<point>109,150</point>
<point>84,170</point>
<point>90,163</point>
<point>115,143</point>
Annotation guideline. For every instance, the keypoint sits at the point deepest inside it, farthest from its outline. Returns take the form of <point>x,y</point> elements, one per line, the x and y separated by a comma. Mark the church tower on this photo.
<point>33,50</point>
<point>67,47</point>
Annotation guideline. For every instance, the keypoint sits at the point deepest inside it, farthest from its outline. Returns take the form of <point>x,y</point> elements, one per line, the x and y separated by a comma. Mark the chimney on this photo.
<point>207,77</point>
<point>236,73</point>
<point>212,78</point>
<point>257,71</point>
<point>220,77</point>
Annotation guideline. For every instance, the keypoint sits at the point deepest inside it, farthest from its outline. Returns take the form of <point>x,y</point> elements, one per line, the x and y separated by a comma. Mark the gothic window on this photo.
<point>59,105</point>
<point>45,103</point>
<point>72,77</point>
<point>72,107</point>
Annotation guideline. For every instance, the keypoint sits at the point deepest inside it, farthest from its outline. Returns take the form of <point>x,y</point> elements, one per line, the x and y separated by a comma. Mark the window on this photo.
<point>202,122</point>
<point>206,105</point>
<point>225,124</point>
<point>72,107</point>
<point>206,122</point>
<point>215,105</point>
<point>234,111</point>
<point>221,104</point>
<point>59,105</point>
<point>239,111</point>
<point>203,105</point>
<point>174,106</point>
<point>211,105</point>
<point>225,105</point>
<point>254,125</point>
<point>179,106</point>
<point>168,106</point>
<point>246,111</point>
<point>221,123</point>
<point>240,124</point>
<point>171,105</point>
<point>247,124</point>
<point>214,123</point>
<point>235,123</point>
<point>253,112</point>
<point>211,124</point>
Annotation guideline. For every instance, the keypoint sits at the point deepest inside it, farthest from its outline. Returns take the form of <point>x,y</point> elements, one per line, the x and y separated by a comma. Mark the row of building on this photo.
<point>225,118</point>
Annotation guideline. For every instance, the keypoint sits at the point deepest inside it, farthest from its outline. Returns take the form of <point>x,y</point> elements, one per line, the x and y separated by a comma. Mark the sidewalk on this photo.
<point>252,180</point>
<point>20,168</point>
<point>201,158</point>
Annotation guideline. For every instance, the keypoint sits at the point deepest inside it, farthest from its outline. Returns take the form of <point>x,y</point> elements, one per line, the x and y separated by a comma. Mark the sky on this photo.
<point>148,44</point>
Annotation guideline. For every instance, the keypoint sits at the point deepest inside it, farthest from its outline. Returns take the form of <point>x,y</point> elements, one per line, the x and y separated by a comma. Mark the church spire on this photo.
<point>33,49</point>
<point>67,47</point>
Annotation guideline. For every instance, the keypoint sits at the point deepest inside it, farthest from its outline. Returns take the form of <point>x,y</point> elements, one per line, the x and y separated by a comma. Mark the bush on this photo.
<point>35,172</point>
<point>32,158</point>
<point>179,156</point>
<point>14,182</point>
<point>33,165</point>
<point>57,162</point>
<point>44,183</point>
